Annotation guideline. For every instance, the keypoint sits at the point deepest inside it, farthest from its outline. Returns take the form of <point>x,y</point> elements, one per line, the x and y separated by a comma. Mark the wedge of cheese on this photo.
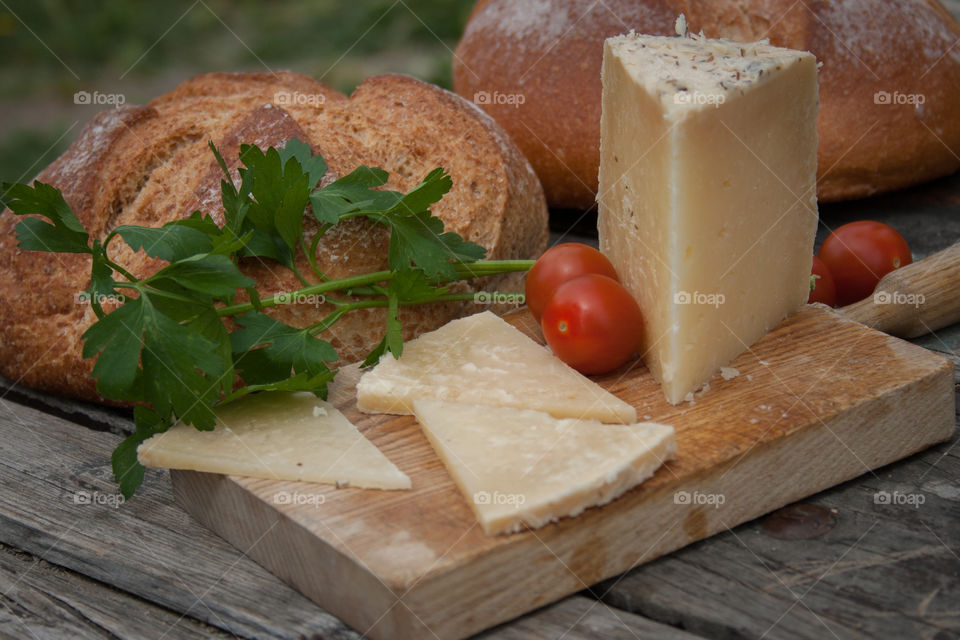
<point>481,359</point>
<point>279,436</point>
<point>521,468</point>
<point>707,203</point>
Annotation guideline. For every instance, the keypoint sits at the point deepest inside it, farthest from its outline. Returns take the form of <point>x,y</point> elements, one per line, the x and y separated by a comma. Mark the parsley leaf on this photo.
<point>235,205</point>
<point>316,384</point>
<point>126,467</point>
<point>394,334</point>
<point>281,192</point>
<point>430,190</point>
<point>223,241</point>
<point>419,240</point>
<point>352,192</point>
<point>173,359</point>
<point>118,338</point>
<point>170,242</point>
<point>413,286</point>
<point>65,235</point>
<point>212,274</point>
<point>313,165</point>
<point>410,286</point>
<point>375,354</point>
<point>102,284</point>
<point>266,350</point>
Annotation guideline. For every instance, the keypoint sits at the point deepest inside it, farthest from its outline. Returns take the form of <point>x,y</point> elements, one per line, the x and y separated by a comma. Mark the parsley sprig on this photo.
<point>164,346</point>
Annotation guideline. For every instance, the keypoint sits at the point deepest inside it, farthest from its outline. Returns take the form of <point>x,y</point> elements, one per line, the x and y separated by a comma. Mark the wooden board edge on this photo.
<point>287,549</point>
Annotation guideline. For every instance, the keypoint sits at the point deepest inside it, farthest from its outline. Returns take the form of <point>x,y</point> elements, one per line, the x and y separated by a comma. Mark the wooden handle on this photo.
<point>915,299</point>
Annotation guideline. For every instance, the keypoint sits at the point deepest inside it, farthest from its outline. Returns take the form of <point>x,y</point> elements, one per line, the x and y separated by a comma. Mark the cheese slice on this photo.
<point>707,203</point>
<point>521,468</point>
<point>482,359</point>
<point>279,436</point>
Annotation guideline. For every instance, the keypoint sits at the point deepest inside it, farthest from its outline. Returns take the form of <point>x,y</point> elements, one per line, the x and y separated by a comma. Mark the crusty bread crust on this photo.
<point>148,165</point>
<point>550,52</point>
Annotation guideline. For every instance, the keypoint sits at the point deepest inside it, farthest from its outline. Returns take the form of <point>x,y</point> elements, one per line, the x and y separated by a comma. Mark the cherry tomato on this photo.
<point>822,288</point>
<point>592,323</point>
<point>559,264</point>
<point>858,254</point>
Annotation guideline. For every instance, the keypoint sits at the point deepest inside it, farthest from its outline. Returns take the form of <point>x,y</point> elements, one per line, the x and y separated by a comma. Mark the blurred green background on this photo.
<point>51,49</point>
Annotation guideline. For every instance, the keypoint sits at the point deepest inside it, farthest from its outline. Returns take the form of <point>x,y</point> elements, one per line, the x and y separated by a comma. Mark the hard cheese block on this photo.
<point>279,436</point>
<point>481,359</point>
<point>707,193</point>
<point>519,467</point>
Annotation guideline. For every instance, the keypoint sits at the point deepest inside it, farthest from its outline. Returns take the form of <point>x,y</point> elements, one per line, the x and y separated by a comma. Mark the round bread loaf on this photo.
<point>889,85</point>
<point>148,165</point>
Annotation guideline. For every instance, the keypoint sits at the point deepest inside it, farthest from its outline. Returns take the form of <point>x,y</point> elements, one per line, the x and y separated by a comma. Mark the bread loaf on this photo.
<point>889,85</point>
<point>148,165</point>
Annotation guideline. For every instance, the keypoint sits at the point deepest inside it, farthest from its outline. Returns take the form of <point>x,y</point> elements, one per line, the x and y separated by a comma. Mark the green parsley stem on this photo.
<point>343,308</point>
<point>299,275</point>
<point>312,252</point>
<point>491,267</point>
<point>113,265</point>
<point>323,287</point>
<point>464,271</point>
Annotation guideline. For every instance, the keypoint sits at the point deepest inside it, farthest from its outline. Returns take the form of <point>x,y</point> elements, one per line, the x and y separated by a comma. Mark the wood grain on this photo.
<point>45,601</point>
<point>819,400</point>
<point>582,617</point>
<point>148,547</point>
<point>885,570</point>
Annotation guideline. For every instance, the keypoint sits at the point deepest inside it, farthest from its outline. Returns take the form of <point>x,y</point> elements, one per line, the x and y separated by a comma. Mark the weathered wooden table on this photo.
<point>882,559</point>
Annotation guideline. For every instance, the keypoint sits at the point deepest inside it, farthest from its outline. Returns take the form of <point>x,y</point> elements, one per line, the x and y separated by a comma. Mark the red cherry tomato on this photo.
<point>592,323</point>
<point>559,264</point>
<point>822,288</point>
<point>858,254</point>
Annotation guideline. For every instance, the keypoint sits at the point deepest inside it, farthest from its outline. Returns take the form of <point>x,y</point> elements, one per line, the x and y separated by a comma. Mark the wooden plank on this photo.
<point>45,462</point>
<point>149,547</point>
<point>884,570</point>
<point>945,341</point>
<point>45,601</point>
<point>579,617</point>
<point>95,416</point>
<point>818,401</point>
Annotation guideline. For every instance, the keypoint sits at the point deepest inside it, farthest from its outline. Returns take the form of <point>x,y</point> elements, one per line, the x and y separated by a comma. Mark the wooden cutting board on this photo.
<point>818,401</point>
